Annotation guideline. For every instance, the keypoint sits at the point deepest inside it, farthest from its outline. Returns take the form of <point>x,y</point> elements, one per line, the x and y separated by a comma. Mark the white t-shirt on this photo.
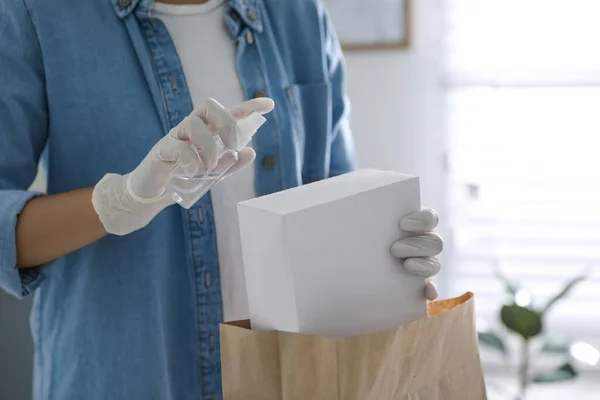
<point>208,56</point>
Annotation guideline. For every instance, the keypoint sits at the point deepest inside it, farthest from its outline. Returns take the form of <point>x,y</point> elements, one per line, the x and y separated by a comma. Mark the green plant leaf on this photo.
<point>521,320</point>
<point>556,346</point>
<point>570,285</point>
<point>565,372</point>
<point>509,286</point>
<point>492,340</point>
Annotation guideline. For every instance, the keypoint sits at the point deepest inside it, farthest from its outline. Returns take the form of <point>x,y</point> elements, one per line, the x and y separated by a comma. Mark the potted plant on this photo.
<point>521,319</point>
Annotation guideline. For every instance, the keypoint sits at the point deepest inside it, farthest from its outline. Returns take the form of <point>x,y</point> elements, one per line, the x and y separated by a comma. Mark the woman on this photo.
<point>129,288</point>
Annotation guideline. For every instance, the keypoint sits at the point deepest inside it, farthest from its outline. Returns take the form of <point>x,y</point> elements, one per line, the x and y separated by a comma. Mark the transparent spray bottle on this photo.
<point>186,191</point>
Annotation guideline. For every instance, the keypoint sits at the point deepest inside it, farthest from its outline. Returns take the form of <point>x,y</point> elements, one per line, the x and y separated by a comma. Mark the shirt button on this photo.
<point>268,162</point>
<point>259,93</point>
<point>211,342</point>
<point>201,214</point>
<point>235,16</point>
<point>252,15</point>
<point>249,37</point>
<point>124,3</point>
<point>207,279</point>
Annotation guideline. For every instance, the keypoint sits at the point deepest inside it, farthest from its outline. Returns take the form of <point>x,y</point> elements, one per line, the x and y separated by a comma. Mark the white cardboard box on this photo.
<point>317,257</point>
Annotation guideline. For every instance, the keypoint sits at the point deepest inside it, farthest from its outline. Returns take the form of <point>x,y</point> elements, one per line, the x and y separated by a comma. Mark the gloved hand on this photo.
<point>419,252</point>
<point>126,203</point>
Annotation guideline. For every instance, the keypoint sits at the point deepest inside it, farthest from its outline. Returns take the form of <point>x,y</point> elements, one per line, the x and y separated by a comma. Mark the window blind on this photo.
<point>523,80</point>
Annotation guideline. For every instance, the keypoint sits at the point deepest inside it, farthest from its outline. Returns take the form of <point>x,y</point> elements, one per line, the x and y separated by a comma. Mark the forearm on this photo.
<point>52,226</point>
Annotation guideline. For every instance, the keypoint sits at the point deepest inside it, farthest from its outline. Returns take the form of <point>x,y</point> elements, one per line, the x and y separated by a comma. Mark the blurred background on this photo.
<point>495,105</point>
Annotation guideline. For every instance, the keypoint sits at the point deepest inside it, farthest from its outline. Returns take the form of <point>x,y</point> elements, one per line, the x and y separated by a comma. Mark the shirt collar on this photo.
<point>248,11</point>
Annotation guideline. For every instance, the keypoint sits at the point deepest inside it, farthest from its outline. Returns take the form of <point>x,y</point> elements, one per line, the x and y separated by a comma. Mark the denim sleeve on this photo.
<point>23,133</point>
<point>343,156</point>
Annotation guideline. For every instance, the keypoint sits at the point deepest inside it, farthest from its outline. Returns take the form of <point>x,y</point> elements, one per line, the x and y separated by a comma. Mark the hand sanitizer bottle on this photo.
<point>188,190</point>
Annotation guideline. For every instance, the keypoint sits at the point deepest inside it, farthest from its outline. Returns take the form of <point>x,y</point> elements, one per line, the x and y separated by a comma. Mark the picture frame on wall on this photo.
<point>372,24</point>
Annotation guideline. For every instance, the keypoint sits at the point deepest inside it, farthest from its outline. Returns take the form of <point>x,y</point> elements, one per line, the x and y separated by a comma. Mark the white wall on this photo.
<point>398,107</point>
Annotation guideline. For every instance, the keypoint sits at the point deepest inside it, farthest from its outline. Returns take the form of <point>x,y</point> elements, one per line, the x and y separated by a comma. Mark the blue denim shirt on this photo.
<point>88,87</point>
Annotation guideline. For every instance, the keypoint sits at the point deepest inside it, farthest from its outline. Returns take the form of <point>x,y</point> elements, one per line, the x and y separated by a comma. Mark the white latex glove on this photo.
<point>419,252</point>
<point>126,203</point>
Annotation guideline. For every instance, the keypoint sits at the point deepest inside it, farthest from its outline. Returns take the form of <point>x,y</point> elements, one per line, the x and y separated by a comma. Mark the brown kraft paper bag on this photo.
<point>435,358</point>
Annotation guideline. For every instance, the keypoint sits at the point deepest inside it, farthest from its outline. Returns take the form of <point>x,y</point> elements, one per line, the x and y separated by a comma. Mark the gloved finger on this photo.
<point>212,112</point>
<point>261,105</point>
<point>422,221</point>
<point>426,245</point>
<point>431,291</point>
<point>195,131</point>
<point>245,157</point>
<point>190,162</point>
<point>219,121</point>
<point>180,154</point>
<point>425,267</point>
<point>223,122</point>
<point>225,167</point>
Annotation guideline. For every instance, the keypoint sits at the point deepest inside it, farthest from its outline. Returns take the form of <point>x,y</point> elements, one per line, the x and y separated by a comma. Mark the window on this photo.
<point>523,79</point>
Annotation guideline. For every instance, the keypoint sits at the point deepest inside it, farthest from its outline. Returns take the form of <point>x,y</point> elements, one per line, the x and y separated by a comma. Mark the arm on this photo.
<point>23,133</point>
<point>343,157</point>
<point>52,226</point>
<point>33,229</point>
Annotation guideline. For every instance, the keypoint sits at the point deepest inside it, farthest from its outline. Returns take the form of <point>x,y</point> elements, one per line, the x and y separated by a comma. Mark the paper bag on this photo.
<point>435,358</point>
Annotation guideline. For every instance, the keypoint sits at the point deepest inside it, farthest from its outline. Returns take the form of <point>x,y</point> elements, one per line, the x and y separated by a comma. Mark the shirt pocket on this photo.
<point>311,119</point>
